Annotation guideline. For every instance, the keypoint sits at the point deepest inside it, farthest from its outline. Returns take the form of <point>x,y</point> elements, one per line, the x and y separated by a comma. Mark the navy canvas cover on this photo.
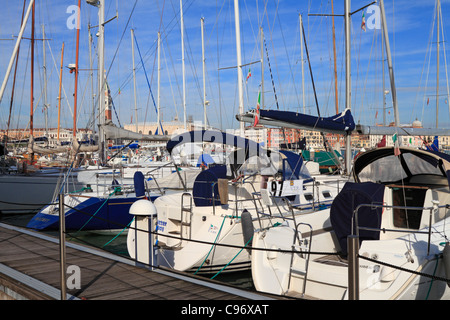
<point>205,189</point>
<point>339,123</point>
<point>139,186</point>
<point>344,205</point>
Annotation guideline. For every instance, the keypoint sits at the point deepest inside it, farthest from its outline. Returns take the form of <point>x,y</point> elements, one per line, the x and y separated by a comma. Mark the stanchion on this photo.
<point>62,246</point>
<point>353,267</point>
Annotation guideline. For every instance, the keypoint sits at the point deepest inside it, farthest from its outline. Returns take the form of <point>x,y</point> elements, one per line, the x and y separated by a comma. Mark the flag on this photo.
<point>363,22</point>
<point>376,114</point>
<point>428,101</point>
<point>257,110</point>
<point>382,143</point>
<point>396,145</point>
<point>249,74</point>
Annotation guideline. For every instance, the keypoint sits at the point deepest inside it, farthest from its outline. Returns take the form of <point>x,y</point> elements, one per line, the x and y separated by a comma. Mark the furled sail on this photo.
<point>114,132</point>
<point>341,123</point>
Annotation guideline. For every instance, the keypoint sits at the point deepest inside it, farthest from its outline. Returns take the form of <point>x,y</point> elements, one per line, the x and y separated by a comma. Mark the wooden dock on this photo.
<point>30,269</point>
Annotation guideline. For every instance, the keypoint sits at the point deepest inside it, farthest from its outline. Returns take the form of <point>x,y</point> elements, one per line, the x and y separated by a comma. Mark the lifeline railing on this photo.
<point>353,240</point>
<point>353,256</point>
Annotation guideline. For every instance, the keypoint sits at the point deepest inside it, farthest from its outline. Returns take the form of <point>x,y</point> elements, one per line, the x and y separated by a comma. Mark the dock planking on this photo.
<point>103,276</point>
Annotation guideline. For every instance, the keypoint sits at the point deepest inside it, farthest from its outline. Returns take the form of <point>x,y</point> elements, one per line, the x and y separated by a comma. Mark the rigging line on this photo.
<point>146,77</point>
<point>310,72</point>
<point>363,95</point>
<point>170,82</point>
<point>120,41</point>
<point>429,61</point>
<point>287,54</point>
<point>445,60</point>
<point>273,46</point>
<point>271,75</point>
<point>14,78</point>
<point>423,69</point>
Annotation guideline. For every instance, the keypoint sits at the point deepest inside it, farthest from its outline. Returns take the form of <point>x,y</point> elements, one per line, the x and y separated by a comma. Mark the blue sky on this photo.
<point>409,25</point>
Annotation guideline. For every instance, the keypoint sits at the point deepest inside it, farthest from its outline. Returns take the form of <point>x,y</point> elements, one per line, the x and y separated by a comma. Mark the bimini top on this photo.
<point>212,136</point>
<point>413,166</point>
<point>245,148</point>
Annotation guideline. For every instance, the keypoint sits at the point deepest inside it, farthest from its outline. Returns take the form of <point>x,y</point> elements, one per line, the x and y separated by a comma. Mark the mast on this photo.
<point>438,9</point>
<point>262,68</point>
<point>303,65</point>
<point>383,82</point>
<point>16,48</point>
<point>390,66</point>
<point>92,77</point>
<point>335,66</point>
<point>239,64</point>
<point>32,74</point>
<point>348,140</point>
<point>182,59</point>
<point>75,96</point>
<point>101,77</point>
<point>205,120</point>
<point>59,96</point>
<point>45,82</point>
<point>14,82</point>
<point>158,121</point>
<point>134,80</point>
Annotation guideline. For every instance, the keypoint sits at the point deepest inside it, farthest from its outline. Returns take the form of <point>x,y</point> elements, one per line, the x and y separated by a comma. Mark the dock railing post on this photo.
<point>353,267</point>
<point>62,246</point>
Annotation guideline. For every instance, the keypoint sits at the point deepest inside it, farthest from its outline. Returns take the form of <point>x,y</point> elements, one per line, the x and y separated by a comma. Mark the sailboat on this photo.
<point>103,206</point>
<point>204,229</point>
<point>37,184</point>
<point>403,245</point>
<point>390,223</point>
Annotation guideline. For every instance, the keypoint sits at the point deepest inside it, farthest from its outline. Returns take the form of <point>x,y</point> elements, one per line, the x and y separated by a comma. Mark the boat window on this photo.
<point>409,197</point>
<point>308,196</point>
<point>389,169</point>
<point>383,170</point>
<point>326,194</point>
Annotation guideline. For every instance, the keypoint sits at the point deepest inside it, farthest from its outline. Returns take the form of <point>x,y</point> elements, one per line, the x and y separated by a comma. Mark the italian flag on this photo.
<point>363,22</point>
<point>257,110</point>
<point>396,144</point>
<point>249,74</point>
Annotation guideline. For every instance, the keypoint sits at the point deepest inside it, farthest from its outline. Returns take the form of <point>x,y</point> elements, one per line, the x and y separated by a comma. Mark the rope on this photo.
<point>233,258</point>
<point>128,225</point>
<point>213,245</point>
<point>434,272</point>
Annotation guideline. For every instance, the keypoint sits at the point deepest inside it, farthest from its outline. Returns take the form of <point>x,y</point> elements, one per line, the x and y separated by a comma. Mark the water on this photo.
<point>118,245</point>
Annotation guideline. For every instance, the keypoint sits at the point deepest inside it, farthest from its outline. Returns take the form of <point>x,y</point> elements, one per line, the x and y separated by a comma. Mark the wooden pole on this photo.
<point>60,84</point>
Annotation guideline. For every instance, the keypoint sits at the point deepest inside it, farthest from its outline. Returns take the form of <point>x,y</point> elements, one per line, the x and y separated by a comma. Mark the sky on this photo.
<point>412,41</point>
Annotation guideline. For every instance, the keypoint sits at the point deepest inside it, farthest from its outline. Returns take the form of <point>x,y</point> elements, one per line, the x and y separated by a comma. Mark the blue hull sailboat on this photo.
<point>88,212</point>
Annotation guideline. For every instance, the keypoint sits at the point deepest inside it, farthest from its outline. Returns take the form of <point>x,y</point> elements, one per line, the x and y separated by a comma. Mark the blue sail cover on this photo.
<point>341,123</point>
<point>342,211</point>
